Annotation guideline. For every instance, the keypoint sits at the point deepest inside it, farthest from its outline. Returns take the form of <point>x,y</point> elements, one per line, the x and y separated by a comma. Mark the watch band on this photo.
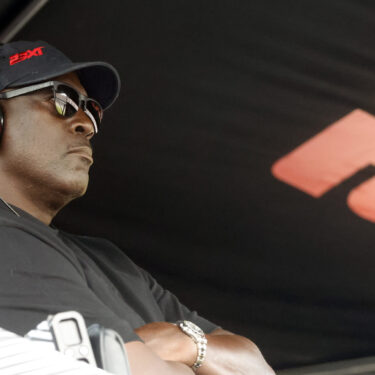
<point>195,333</point>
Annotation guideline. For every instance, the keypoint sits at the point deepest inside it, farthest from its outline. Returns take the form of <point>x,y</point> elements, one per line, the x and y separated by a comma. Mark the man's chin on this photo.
<point>76,186</point>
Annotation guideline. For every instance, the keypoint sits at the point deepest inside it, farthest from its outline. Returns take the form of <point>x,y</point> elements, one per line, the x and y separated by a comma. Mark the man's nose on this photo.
<point>82,124</point>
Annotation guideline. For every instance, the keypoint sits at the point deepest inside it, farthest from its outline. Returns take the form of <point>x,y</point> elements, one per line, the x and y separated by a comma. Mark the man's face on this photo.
<point>42,150</point>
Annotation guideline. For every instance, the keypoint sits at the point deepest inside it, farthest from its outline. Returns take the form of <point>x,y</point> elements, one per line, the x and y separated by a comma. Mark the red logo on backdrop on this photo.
<point>18,57</point>
<point>332,156</point>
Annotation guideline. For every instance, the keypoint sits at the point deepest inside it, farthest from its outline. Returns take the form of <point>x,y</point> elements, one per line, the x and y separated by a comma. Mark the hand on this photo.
<point>143,361</point>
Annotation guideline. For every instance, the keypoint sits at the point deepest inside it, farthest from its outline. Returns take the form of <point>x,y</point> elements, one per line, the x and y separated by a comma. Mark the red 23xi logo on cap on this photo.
<point>18,57</point>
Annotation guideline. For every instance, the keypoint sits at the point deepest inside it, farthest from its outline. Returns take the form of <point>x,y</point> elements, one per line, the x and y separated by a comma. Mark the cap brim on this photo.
<point>100,79</point>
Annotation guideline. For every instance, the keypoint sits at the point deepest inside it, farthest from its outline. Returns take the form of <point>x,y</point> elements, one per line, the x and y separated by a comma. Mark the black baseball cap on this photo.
<point>24,63</point>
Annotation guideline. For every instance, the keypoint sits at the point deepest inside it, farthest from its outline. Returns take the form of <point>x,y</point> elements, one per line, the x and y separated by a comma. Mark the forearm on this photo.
<point>144,361</point>
<point>177,368</point>
<point>160,367</point>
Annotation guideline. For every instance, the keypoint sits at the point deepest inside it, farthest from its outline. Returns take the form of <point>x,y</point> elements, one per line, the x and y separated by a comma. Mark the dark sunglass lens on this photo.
<point>66,101</point>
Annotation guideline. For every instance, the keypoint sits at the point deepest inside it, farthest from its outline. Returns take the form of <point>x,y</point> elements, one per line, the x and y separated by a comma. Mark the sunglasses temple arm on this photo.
<point>25,90</point>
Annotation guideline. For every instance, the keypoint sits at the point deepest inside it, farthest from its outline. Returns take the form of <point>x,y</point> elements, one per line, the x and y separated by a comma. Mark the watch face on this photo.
<point>193,327</point>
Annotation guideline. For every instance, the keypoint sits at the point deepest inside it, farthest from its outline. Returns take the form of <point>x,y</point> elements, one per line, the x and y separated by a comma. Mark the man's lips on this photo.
<point>84,151</point>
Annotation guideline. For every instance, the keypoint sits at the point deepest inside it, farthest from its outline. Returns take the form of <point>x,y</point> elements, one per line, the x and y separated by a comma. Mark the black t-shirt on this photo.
<point>45,271</point>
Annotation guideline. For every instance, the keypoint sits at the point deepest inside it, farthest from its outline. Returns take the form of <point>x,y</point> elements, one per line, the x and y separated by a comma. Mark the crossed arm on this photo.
<point>167,350</point>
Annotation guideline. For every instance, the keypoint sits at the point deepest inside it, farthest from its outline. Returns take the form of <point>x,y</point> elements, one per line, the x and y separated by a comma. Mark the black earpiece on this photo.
<point>1,120</point>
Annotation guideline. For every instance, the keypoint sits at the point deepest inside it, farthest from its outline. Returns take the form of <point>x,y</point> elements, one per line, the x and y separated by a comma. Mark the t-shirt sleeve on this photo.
<point>37,280</point>
<point>172,308</point>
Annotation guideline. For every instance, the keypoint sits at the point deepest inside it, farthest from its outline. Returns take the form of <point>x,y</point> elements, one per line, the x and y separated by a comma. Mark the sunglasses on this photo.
<point>67,100</point>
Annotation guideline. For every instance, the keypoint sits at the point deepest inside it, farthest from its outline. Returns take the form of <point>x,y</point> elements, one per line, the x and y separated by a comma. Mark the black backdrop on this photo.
<point>214,93</point>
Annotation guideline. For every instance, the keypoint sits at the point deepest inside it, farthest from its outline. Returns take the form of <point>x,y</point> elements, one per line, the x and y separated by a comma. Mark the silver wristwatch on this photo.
<point>193,331</point>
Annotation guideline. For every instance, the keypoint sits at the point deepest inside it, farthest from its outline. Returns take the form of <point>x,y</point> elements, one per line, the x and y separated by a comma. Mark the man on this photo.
<point>50,110</point>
